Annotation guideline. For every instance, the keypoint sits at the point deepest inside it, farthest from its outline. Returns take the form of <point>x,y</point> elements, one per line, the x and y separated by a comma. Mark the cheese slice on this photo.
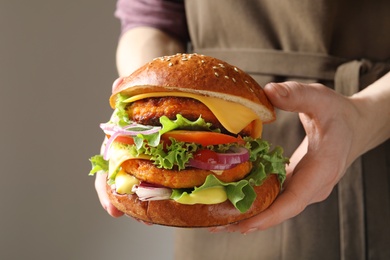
<point>233,116</point>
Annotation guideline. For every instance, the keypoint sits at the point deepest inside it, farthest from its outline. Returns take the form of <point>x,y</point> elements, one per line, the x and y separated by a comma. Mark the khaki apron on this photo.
<point>353,222</point>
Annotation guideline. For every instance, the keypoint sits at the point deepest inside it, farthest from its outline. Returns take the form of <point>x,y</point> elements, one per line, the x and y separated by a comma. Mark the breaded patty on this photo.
<point>149,110</point>
<point>146,171</point>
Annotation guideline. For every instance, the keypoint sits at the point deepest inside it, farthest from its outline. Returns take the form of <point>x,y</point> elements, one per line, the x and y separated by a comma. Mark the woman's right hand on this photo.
<point>100,186</point>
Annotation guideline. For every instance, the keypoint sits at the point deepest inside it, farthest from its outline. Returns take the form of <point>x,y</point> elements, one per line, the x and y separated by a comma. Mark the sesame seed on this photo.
<point>234,80</point>
<point>226,77</point>
<point>235,69</point>
<point>170,64</point>
<point>216,74</point>
<point>221,65</point>
<point>202,61</point>
<point>215,67</point>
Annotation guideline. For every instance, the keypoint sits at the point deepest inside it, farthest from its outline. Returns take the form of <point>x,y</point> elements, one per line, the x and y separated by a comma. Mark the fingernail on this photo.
<point>117,82</point>
<point>251,230</point>
<point>217,229</point>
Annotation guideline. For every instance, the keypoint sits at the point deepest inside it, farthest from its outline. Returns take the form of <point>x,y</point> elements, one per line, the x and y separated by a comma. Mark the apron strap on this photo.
<point>350,187</point>
<point>279,63</point>
<point>356,223</point>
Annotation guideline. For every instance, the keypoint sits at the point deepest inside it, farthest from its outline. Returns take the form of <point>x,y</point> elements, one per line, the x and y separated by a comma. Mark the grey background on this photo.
<point>57,64</point>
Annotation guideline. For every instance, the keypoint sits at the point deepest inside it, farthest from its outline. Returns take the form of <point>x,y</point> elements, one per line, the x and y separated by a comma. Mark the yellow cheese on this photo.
<point>233,116</point>
<point>213,195</point>
<point>124,183</point>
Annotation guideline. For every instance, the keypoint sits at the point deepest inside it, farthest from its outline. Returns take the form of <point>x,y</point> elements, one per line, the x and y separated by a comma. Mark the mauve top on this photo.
<point>166,15</point>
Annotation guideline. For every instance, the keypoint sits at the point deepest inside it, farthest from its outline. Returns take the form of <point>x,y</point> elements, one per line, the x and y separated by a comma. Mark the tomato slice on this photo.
<point>123,139</point>
<point>202,137</point>
<point>206,156</point>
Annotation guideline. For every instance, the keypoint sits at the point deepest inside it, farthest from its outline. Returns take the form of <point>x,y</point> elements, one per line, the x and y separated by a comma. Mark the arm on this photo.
<point>374,105</point>
<point>357,124</point>
<point>142,44</point>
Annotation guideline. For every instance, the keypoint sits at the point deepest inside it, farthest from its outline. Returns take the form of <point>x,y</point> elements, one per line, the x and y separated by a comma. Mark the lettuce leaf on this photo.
<point>273,161</point>
<point>184,124</point>
<point>176,154</point>
<point>120,110</point>
<point>241,194</point>
<point>98,164</point>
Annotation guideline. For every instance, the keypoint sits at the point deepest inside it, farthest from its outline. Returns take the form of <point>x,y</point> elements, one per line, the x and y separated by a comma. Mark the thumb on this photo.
<point>298,97</point>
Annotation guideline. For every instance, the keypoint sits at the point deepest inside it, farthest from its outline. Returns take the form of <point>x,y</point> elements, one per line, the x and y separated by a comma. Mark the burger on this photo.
<point>184,144</point>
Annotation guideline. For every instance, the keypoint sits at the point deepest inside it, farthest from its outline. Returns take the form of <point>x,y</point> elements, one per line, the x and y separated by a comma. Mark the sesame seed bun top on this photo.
<point>197,74</point>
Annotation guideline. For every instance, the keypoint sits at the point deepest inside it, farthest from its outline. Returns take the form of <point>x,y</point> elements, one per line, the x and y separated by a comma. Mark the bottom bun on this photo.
<point>171,213</point>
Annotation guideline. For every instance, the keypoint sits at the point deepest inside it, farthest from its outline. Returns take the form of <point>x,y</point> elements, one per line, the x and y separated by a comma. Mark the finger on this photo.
<point>225,228</point>
<point>140,221</point>
<point>297,97</point>
<point>307,185</point>
<point>100,186</point>
<point>286,206</point>
<point>295,159</point>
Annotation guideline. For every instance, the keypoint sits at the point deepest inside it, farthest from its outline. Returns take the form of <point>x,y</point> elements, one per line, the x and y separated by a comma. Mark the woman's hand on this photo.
<point>338,130</point>
<point>100,186</point>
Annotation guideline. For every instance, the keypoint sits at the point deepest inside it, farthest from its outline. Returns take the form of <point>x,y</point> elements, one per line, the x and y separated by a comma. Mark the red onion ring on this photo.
<point>114,131</point>
<point>225,160</point>
<point>147,191</point>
